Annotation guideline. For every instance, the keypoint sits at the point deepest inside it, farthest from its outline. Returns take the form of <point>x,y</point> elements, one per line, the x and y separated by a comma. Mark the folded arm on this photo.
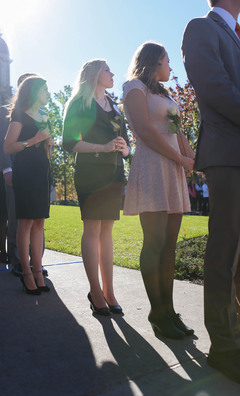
<point>136,105</point>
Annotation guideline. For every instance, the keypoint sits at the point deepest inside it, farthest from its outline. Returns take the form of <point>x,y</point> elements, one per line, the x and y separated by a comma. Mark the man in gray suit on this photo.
<point>211,53</point>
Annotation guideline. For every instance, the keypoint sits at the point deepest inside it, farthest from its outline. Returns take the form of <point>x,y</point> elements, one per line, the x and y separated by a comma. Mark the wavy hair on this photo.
<point>27,93</point>
<point>144,65</point>
<point>86,83</point>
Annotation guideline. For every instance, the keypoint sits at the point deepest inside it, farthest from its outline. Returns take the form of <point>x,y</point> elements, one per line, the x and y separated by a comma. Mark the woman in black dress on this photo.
<point>28,137</point>
<point>95,129</point>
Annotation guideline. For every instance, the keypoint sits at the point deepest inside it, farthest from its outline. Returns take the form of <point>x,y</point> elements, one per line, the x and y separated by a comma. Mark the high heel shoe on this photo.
<point>44,288</point>
<point>117,309</point>
<point>100,311</point>
<point>35,292</point>
<point>165,327</point>
<point>177,320</point>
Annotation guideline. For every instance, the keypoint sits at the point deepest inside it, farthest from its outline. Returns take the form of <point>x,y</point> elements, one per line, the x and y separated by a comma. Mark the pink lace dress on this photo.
<point>155,183</point>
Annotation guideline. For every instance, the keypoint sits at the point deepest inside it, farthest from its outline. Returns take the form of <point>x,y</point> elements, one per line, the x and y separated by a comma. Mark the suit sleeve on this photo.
<point>5,160</point>
<point>201,49</point>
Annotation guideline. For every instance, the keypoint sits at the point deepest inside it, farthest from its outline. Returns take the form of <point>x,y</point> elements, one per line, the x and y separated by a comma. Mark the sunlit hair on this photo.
<point>144,65</point>
<point>212,3</point>
<point>86,83</point>
<point>23,77</point>
<point>27,93</point>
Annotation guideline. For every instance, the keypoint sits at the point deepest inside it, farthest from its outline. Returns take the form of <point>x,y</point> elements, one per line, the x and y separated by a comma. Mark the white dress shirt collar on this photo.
<point>228,18</point>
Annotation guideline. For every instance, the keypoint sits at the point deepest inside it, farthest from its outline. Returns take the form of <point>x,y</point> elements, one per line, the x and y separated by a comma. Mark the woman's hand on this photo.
<point>110,146</point>
<point>49,142</point>
<point>187,164</point>
<point>121,146</point>
<point>48,145</point>
<point>42,135</point>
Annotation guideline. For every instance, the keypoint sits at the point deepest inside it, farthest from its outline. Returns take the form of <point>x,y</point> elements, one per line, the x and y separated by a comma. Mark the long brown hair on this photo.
<point>27,93</point>
<point>144,64</point>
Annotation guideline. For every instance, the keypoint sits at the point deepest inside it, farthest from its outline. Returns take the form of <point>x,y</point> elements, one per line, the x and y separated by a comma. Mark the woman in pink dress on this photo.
<point>157,188</point>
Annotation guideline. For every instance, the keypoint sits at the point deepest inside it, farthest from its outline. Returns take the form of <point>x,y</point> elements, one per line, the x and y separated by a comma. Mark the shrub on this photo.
<point>189,259</point>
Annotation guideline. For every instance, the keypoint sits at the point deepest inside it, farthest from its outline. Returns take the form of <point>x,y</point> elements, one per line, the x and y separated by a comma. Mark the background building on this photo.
<point>5,88</point>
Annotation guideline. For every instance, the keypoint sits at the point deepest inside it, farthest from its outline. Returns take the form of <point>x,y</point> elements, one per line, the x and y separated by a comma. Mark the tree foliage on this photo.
<point>62,162</point>
<point>190,115</point>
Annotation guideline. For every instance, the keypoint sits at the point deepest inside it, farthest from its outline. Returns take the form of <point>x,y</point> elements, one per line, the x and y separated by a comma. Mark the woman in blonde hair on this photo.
<point>157,188</point>
<point>94,129</point>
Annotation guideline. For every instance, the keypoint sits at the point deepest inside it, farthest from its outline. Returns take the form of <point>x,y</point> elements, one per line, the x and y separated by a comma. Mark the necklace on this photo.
<point>105,102</point>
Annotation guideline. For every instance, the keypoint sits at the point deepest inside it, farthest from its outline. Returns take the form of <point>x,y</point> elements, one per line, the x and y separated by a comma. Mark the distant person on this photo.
<point>205,196</point>
<point>6,162</point>
<point>157,188</point>
<point>94,129</point>
<point>28,137</point>
<point>199,192</point>
<point>211,53</point>
<point>192,196</point>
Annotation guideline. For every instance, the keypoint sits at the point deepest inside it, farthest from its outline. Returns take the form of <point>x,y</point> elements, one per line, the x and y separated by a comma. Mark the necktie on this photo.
<point>237,29</point>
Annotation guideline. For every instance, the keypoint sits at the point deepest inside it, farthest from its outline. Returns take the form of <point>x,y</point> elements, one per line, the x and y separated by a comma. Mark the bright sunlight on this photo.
<point>17,15</point>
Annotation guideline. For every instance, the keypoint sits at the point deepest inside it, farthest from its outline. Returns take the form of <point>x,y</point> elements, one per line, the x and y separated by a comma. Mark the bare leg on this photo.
<point>36,243</point>
<point>90,240</point>
<point>106,260</point>
<point>23,239</point>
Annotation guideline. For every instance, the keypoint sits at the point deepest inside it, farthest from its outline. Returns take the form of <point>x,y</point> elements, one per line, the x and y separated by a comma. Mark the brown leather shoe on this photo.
<point>228,363</point>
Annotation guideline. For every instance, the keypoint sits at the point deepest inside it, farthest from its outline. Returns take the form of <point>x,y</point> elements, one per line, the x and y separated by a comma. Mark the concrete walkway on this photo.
<point>52,345</point>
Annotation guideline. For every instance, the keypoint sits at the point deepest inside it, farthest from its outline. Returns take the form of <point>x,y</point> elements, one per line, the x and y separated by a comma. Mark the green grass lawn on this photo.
<point>64,230</point>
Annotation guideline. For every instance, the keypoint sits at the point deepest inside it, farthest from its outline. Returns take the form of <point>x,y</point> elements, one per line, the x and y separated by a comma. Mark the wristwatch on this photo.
<point>25,144</point>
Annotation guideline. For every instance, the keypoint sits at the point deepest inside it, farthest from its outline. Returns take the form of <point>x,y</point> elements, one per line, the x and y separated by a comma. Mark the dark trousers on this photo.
<point>222,256</point>
<point>12,228</point>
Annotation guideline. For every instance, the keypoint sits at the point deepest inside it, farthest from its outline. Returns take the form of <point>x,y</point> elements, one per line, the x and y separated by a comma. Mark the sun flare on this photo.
<point>17,14</point>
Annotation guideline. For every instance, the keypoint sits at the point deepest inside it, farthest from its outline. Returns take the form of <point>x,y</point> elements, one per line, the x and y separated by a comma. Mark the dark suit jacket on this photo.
<point>5,160</point>
<point>211,53</point>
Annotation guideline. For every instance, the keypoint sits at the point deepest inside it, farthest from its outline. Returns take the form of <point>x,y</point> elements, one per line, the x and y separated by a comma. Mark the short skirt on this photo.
<point>100,191</point>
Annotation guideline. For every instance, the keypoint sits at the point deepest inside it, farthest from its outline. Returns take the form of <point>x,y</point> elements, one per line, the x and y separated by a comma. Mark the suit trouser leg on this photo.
<point>221,259</point>
<point>12,227</point>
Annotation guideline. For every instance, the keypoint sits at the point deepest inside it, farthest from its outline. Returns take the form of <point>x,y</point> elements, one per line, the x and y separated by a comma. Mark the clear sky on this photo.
<point>55,37</point>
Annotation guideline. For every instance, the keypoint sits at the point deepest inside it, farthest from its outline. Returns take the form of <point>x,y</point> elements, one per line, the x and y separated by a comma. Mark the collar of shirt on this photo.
<point>228,18</point>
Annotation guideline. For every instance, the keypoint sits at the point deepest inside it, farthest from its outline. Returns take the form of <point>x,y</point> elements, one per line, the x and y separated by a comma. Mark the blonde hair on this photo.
<point>86,83</point>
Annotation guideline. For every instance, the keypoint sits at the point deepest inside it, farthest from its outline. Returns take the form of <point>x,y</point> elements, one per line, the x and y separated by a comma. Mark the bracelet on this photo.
<point>25,144</point>
<point>94,150</point>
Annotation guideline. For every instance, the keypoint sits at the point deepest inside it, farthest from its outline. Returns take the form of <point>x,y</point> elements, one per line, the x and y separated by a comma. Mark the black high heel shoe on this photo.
<point>100,311</point>
<point>34,292</point>
<point>177,320</point>
<point>165,327</point>
<point>44,288</point>
<point>117,309</point>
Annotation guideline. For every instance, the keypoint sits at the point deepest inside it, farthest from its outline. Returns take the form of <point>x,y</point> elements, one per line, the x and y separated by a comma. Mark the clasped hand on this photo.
<point>188,164</point>
<point>118,144</point>
<point>42,135</point>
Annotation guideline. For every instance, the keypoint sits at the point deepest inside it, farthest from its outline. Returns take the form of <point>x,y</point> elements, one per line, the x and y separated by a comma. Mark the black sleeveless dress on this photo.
<point>31,174</point>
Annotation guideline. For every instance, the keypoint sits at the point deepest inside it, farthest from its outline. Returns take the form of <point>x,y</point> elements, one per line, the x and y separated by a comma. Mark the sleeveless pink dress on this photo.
<point>155,183</point>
